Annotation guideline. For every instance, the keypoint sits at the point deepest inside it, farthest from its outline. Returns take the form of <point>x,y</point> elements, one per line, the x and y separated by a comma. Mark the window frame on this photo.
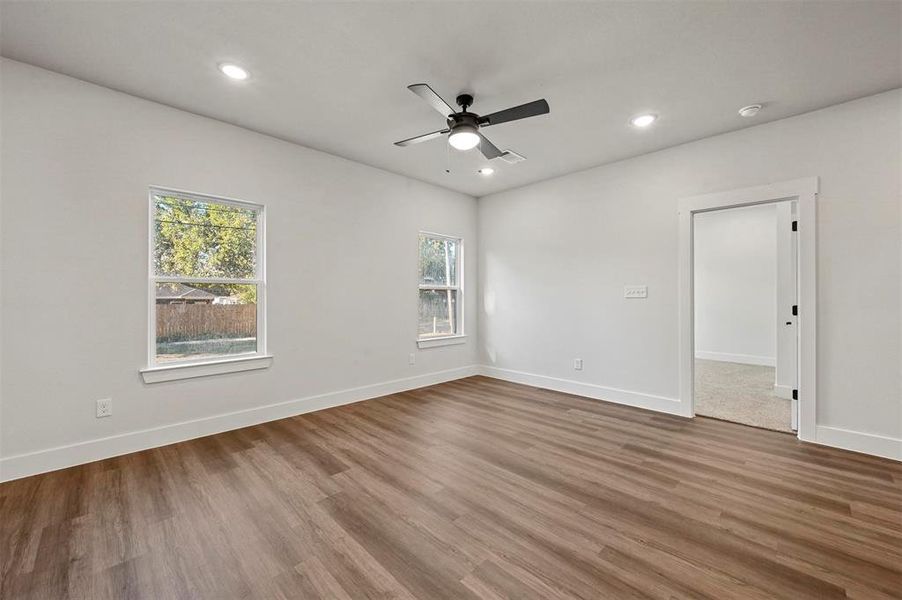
<point>459,336</point>
<point>169,370</point>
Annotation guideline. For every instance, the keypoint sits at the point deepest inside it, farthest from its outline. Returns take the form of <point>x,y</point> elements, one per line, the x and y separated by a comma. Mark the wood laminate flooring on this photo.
<point>475,488</point>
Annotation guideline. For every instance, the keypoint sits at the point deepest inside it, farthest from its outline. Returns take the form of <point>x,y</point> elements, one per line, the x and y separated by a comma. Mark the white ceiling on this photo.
<point>333,76</point>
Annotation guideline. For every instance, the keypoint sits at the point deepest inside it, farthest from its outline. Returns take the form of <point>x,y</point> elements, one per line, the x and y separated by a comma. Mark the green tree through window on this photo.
<point>199,239</point>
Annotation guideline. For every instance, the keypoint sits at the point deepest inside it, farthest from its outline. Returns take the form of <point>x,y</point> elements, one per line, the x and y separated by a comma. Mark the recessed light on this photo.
<point>643,120</point>
<point>233,71</point>
<point>749,111</point>
<point>486,171</point>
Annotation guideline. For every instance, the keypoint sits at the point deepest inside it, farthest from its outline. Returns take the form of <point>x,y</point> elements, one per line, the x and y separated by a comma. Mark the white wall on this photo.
<point>735,254</point>
<point>77,161</point>
<point>554,258</point>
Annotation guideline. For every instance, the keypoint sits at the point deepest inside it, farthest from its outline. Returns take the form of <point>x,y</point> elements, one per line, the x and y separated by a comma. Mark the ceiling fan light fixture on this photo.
<point>464,137</point>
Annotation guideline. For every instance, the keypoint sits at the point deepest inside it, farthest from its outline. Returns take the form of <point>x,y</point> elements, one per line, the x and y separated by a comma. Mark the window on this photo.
<point>440,286</point>
<point>207,284</point>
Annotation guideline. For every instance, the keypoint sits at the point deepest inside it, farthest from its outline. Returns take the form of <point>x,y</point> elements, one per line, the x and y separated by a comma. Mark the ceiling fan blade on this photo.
<point>530,109</point>
<point>422,138</point>
<point>488,149</point>
<point>428,94</point>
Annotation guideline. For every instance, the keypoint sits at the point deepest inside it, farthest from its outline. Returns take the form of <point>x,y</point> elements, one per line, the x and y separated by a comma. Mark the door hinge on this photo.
<point>795,310</point>
<point>795,225</point>
<point>795,394</point>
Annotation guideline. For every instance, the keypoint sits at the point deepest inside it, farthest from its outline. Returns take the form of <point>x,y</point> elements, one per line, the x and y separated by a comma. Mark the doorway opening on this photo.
<point>746,338</point>
<point>800,196</point>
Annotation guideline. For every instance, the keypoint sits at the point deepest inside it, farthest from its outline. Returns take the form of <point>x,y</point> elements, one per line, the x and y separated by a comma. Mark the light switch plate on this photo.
<point>635,291</point>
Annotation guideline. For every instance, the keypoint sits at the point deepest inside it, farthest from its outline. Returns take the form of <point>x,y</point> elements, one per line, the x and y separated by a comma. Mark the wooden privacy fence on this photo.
<point>198,321</point>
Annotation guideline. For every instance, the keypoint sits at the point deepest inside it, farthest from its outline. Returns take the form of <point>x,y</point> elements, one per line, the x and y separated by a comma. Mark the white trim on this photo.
<point>443,236</point>
<point>867,443</point>
<point>783,391</point>
<point>589,390</point>
<point>154,370</point>
<point>202,197</point>
<point>805,192</point>
<point>177,279</point>
<point>448,340</point>
<point>183,370</point>
<point>761,194</point>
<point>459,288</point>
<point>745,359</point>
<point>438,288</point>
<point>32,463</point>
<point>23,465</point>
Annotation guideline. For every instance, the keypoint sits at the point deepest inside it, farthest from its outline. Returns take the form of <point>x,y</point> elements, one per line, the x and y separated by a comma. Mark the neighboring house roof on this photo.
<point>180,291</point>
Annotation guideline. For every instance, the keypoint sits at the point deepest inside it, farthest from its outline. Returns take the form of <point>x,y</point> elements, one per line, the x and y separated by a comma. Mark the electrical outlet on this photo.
<point>412,359</point>
<point>635,291</point>
<point>104,407</point>
<point>578,364</point>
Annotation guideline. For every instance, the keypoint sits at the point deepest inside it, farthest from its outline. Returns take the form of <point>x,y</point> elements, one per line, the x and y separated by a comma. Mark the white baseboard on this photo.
<point>783,391</point>
<point>745,359</point>
<point>876,445</point>
<point>23,465</point>
<point>867,443</point>
<point>663,404</point>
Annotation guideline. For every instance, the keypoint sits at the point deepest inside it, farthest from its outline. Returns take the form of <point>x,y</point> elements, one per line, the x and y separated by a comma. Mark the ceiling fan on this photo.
<point>463,126</point>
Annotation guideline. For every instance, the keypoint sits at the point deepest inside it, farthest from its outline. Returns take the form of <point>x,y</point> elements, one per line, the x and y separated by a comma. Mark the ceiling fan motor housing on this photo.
<point>465,120</point>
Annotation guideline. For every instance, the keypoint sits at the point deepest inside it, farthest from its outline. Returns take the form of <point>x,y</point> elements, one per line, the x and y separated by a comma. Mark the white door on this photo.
<point>787,300</point>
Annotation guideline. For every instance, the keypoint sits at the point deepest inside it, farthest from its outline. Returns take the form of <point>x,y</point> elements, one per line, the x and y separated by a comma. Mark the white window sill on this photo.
<point>450,340</point>
<point>203,369</point>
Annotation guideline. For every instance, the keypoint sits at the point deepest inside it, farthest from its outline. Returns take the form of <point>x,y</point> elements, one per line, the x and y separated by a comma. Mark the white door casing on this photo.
<point>804,191</point>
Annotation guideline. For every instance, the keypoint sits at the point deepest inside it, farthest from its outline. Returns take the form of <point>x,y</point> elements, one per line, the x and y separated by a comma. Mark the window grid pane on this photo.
<point>193,238</point>
<point>204,320</point>
<point>438,261</point>
<point>438,313</point>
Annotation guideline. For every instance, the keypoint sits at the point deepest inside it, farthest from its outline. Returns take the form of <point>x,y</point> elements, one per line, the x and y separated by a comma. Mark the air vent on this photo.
<point>512,157</point>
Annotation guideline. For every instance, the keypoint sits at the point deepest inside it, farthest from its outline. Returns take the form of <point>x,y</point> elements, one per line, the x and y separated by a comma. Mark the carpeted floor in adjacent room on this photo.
<point>740,393</point>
